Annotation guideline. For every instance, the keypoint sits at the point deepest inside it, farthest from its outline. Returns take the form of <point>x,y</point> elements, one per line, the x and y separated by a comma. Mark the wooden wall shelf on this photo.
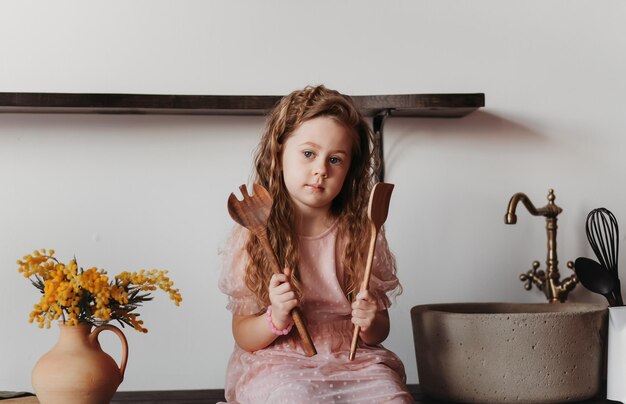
<point>413,105</point>
<point>377,106</point>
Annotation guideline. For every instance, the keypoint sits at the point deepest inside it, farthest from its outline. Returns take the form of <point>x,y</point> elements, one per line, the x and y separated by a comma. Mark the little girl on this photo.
<point>316,160</point>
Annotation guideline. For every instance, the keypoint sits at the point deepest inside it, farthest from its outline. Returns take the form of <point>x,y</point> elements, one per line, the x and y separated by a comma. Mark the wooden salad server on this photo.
<point>377,212</point>
<point>252,213</point>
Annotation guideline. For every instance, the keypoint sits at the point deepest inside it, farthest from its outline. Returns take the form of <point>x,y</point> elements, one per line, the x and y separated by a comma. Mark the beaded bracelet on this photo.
<point>270,323</point>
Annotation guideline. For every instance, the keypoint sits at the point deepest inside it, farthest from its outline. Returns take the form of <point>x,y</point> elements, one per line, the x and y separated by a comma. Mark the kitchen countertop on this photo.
<point>213,396</point>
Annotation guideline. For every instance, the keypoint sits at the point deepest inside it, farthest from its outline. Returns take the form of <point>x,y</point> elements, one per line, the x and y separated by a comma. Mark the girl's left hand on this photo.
<point>364,310</point>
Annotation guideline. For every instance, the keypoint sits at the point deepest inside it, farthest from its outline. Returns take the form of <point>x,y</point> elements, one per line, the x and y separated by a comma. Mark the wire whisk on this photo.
<point>603,235</point>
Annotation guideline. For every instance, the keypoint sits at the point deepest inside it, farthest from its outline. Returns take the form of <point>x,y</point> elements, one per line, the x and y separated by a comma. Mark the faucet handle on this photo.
<point>533,276</point>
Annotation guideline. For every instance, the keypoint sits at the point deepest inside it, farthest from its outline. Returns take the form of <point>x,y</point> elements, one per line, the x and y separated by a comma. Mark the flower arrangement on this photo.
<point>87,296</point>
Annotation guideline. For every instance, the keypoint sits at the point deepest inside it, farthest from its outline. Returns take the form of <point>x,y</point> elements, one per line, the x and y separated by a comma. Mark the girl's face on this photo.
<point>315,161</point>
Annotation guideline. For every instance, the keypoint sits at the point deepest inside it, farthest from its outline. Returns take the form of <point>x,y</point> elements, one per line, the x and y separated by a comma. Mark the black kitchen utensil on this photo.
<point>603,235</point>
<point>596,278</point>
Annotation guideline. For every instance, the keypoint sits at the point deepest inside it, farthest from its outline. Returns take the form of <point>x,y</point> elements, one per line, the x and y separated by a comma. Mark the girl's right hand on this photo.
<point>283,299</point>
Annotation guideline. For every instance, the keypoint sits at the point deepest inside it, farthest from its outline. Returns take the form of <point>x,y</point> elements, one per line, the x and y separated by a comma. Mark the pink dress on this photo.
<point>281,373</point>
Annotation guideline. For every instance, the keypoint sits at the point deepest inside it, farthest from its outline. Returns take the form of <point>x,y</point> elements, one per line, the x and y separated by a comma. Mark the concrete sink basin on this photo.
<point>504,352</point>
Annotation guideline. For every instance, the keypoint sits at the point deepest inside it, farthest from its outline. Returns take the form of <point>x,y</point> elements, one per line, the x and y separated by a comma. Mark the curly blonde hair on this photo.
<point>349,207</point>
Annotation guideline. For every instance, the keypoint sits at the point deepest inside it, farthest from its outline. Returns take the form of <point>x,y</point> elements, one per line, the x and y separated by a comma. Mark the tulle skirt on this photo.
<point>281,373</point>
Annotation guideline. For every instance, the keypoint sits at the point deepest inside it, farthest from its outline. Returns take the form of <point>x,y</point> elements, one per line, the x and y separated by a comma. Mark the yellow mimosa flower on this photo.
<point>76,295</point>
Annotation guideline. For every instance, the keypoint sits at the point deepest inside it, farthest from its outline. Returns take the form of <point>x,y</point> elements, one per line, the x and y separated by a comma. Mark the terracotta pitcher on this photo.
<point>76,370</point>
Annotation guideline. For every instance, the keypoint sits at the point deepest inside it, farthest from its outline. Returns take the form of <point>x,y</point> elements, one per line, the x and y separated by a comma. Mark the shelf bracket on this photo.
<point>377,124</point>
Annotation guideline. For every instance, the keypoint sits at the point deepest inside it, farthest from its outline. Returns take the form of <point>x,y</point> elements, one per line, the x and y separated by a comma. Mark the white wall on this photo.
<point>128,192</point>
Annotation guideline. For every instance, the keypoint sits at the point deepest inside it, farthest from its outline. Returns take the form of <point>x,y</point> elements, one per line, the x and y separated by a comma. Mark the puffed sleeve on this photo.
<point>383,281</point>
<point>241,300</point>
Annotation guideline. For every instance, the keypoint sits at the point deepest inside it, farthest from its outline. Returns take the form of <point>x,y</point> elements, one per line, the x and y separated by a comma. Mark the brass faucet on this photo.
<point>548,281</point>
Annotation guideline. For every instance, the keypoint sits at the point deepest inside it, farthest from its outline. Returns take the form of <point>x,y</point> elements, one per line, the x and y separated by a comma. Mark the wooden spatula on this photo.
<point>252,213</point>
<point>377,212</point>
